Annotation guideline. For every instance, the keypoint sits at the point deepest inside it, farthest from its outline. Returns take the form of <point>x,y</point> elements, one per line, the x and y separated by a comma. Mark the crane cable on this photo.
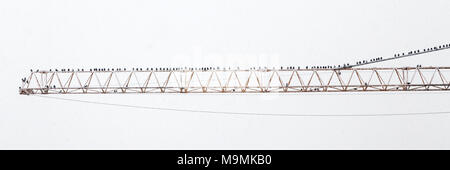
<point>244,113</point>
<point>398,56</point>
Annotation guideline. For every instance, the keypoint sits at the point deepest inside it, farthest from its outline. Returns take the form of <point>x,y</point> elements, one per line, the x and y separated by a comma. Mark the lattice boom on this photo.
<point>238,81</point>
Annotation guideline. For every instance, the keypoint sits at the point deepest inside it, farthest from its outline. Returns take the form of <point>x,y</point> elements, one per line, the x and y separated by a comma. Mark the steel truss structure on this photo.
<point>238,81</point>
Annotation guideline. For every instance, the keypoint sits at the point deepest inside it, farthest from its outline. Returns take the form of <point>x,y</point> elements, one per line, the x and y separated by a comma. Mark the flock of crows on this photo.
<point>345,65</point>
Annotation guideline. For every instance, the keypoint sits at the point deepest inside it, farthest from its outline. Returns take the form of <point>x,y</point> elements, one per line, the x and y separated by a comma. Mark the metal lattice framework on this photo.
<point>238,81</point>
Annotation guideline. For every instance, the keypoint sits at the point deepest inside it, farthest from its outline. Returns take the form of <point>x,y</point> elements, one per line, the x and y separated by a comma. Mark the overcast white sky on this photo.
<point>108,33</point>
